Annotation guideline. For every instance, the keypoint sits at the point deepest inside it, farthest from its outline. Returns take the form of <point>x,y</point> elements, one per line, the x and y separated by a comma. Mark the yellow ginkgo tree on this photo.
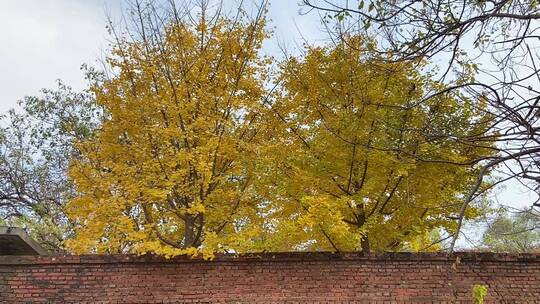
<point>169,171</point>
<point>362,161</point>
<point>198,152</point>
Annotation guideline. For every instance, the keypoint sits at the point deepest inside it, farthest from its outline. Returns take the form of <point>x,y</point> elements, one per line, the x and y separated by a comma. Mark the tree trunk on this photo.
<point>189,233</point>
<point>364,240</point>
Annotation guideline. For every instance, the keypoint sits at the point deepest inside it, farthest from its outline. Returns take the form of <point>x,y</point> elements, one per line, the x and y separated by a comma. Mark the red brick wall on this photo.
<point>271,278</point>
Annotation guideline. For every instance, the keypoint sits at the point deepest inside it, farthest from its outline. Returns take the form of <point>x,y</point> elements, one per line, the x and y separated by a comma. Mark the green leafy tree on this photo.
<point>36,144</point>
<point>516,232</point>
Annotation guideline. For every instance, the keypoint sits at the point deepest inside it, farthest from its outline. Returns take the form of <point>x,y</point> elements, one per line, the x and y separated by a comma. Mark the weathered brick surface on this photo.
<point>271,278</point>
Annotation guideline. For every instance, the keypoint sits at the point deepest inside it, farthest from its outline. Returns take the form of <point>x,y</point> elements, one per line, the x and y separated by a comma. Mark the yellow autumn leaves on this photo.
<point>198,154</point>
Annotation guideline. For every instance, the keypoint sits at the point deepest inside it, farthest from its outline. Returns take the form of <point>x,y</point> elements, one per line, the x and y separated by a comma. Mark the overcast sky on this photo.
<point>46,40</point>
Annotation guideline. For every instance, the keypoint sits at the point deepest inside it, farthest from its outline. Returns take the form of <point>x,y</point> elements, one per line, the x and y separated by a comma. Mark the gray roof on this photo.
<point>15,241</point>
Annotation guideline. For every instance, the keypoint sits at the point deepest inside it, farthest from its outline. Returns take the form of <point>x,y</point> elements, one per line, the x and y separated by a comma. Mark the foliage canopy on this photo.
<point>357,165</point>
<point>191,142</point>
<point>169,171</point>
<point>198,153</point>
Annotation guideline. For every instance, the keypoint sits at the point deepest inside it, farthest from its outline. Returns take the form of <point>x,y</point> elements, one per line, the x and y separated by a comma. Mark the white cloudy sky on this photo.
<point>45,40</point>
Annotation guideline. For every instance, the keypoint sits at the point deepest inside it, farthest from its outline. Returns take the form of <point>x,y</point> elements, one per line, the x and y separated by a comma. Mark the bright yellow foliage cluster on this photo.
<point>169,168</point>
<point>198,155</point>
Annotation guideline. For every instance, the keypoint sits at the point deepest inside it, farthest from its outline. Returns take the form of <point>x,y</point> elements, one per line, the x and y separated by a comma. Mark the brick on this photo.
<point>271,278</point>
